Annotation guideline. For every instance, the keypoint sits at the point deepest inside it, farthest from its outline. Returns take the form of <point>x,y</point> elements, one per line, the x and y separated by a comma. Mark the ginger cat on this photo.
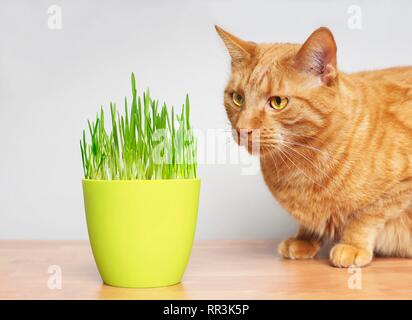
<point>335,148</point>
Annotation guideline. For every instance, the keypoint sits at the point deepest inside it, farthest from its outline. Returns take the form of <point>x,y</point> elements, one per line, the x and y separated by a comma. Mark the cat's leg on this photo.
<point>304,246</point>
<point>358,240</point>
<point>363,233</point>
<point>395,239</point>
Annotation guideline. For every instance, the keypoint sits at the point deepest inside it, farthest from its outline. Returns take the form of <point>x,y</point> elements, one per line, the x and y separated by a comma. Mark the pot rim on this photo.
<point>147,181</point>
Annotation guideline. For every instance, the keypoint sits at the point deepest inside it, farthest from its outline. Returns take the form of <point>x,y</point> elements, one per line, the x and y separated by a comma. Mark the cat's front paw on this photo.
<point>293,248</point>
<point>345,255</point>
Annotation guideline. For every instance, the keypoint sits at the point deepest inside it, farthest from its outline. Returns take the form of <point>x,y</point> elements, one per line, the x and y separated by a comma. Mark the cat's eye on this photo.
<point>237,99</point>
<point>278,102</point>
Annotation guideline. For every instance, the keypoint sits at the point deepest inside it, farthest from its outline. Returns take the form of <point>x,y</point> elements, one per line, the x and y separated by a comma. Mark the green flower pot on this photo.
<point>141,231</point>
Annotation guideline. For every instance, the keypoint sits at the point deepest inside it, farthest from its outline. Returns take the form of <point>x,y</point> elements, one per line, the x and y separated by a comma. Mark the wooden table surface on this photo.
<point>217,270</point>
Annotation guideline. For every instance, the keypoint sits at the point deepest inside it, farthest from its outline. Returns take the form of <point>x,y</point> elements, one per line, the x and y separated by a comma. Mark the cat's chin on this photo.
<point>258,151</point>
<point>253,149</point>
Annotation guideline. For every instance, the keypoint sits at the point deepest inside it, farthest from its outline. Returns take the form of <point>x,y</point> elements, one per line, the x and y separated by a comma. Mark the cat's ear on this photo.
<point>239,49</point>
<point>318,56</point>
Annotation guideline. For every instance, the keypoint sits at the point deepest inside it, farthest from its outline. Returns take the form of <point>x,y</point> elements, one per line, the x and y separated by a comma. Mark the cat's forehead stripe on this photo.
<point>267,72</point>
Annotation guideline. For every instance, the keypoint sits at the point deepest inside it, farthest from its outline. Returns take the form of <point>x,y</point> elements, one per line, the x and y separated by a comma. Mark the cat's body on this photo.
<point>366,166</point>
<point>338,156</point>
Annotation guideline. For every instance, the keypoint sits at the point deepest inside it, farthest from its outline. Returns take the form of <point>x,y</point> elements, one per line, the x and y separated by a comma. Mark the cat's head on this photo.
<point>285,91</point>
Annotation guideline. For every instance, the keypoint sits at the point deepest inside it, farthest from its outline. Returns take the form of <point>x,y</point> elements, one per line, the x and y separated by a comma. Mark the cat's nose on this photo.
<point>244,131</point>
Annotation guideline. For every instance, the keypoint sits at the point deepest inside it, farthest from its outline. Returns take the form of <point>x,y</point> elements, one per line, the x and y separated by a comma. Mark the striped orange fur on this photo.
<point>338,157</point>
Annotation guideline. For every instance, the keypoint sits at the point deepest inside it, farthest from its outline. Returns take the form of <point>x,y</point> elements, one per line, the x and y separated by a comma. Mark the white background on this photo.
<point>51,81</point>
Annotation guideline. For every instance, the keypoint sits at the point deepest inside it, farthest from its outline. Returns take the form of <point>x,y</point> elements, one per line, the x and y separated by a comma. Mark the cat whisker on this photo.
<point>304,173</point>
<point>286,144</point>
<point>290,157</point>
<point>275,162</point>
<point>310,162</point>
<point>323,152</point>
<point>281,156</point>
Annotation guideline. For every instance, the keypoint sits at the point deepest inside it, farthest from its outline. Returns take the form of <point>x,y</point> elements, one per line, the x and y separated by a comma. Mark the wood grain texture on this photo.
<point>217,270</point>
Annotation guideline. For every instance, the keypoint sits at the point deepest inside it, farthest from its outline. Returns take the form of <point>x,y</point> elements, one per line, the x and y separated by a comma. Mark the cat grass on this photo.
<point>146,142</point>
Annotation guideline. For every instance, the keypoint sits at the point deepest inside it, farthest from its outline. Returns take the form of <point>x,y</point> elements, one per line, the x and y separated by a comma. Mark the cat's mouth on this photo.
<point>253,147</point>
<point>248,139</point>
<point>261,148</point>
<point>253,143</point>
